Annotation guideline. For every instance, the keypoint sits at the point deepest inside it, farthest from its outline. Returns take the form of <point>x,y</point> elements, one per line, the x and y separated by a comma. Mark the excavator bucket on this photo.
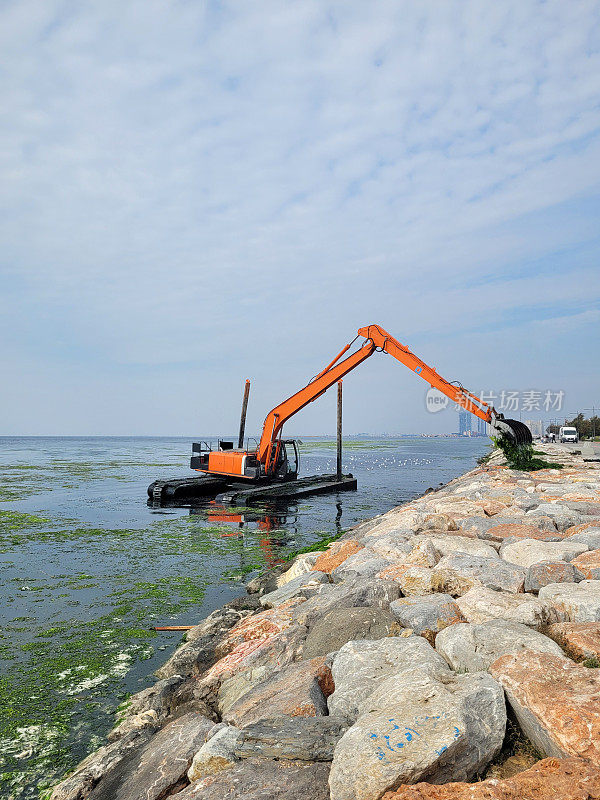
<point>516,432</point>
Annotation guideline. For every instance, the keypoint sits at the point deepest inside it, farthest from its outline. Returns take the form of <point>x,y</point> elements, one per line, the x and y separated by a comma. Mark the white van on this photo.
<point>568,435</point>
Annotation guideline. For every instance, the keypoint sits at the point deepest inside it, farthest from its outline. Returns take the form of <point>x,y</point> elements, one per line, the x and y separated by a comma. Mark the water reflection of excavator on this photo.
<point>267,524</point>
<point>276,459</point>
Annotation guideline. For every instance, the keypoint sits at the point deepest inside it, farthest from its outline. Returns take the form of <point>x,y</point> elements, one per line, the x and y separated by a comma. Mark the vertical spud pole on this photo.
<point>243,417</point>
<point>339,431</point>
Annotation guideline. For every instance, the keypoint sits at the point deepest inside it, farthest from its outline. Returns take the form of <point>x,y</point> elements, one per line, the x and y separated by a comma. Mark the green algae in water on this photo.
<point>17,520</point>
<point>67,679</point>
<point>86,588</point>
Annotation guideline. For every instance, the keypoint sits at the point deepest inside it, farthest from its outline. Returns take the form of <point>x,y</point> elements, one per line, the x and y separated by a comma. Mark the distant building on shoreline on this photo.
<point>464,423</point>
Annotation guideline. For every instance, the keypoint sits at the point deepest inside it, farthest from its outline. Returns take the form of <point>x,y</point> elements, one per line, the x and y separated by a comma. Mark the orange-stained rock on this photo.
<point>595,523</point>
<point>556,702</point>
<point>412,579</point>
<point>294,691</point>
<point>589,564</point>
<point>550,779</point>
<point>259,626</point>
<point>493,507</point>
<point>324,679</point>
<point>336,555</point>
<point>269,634</point>
<point>578,639</point>
<point>518,531</point>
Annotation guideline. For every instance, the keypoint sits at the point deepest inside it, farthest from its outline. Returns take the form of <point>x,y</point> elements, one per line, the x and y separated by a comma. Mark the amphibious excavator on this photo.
<point>276,459</point>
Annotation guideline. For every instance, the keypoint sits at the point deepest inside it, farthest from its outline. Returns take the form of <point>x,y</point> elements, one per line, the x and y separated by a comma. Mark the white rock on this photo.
<point>363,564</point>
<point>472,648</point>
<point>391,546</point>
<point>589,537</point>
<point>302,586</point>
<point>457,573</point>
<point>360,666</point>
<point>416,727</point>
<point>481,604</point>
<point>526,552</point>
<point>574,602</point>
<point>303,564</point>
<point>448,545</point>
<point>563,516</point>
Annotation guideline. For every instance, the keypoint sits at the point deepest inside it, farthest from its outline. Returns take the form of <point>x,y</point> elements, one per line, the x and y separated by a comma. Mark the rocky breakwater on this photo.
<point>446,649</point>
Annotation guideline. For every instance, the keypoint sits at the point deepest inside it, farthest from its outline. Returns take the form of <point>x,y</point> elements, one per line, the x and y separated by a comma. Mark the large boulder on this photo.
<point>438,522</point>
<point>303,586</point>
<point>294,690</point>
<point>411,579</point>
<point>392,547</point>
<point>414,726</point>
<point>531,551</point>
<point>360,666</point>
<point>216,753</point>
<point>562,516</point>
<point>468,545</point>
<point>112,758</point>
<point>472,648</point>
<point>267,652</point>
<point>456,506</point>
<point>301,565</point>
<point>363,564</point>
<point>573,602</point>
<point>342,625</point>
<point>589,537</point>
<point>588,564</point>
<point>155,770</point>
<point>549,779</point>
<point>556,702</point>
<point>336,554</point>
<point>496,529</point>
<point>426,615</point>
<point>546,572</point>
<point>291,738</point>
<point>481,604</point>
<point>457,573</point>
<point>262,779</point>
<point>367,592</point>
<point>579,640</point>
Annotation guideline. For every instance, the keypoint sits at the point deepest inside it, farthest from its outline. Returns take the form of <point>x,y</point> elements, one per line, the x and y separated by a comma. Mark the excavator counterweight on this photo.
<point>276,459</point>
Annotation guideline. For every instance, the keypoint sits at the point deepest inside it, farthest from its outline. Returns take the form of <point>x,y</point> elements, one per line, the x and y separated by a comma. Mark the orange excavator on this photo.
<point>276,459</point>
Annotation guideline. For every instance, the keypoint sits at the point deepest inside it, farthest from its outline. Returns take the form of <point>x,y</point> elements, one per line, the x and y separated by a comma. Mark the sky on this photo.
<point>194,193</point>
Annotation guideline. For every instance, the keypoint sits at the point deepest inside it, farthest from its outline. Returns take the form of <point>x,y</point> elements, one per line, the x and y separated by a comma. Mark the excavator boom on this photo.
<point>377,339</point>
<point>268,453</point>
<point>383,341</point>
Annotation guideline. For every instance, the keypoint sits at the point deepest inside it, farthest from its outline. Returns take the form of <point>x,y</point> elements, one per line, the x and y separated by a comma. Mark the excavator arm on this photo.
<point>377,339</point>
<point>383,341</point>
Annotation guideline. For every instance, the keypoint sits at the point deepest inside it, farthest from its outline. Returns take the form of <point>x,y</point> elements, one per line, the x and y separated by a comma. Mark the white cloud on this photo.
<point>195,184</point>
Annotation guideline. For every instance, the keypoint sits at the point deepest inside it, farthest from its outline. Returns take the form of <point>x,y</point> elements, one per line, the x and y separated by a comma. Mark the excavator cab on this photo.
<point>285,460</point>
<point>289,460</point>
<point>239,463</point>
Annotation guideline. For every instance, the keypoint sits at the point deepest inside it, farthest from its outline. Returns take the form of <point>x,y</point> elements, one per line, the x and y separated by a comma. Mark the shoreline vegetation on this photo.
<point>412,647</point>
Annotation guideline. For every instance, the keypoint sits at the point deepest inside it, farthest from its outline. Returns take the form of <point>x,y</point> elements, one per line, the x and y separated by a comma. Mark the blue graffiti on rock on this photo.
<point>401,736</point>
